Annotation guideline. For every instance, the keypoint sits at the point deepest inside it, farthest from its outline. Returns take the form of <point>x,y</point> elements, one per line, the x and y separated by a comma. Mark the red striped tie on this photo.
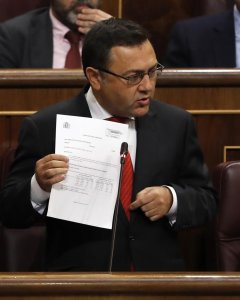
<point>127,176</point>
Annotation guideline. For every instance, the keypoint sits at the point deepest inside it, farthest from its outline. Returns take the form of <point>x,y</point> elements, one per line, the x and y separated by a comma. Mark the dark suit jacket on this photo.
<point>26,41</point>
<point>203,42</point>
<point>167,153</point>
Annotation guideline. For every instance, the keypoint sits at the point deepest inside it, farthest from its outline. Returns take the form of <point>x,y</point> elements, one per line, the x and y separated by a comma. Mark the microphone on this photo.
<point>123,154</point>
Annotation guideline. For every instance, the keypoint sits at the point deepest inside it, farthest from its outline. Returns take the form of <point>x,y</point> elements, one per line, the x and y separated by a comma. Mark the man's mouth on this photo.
<point>143,101</point>
<point>82,5</point>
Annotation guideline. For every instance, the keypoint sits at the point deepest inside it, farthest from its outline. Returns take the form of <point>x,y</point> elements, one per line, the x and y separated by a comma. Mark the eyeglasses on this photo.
<point>138,76</point>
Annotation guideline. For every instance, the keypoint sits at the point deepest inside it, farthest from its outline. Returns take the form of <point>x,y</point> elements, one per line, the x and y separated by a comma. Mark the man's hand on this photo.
<point>51,169</point>
<point>87,17</point>
<point>155,202</point>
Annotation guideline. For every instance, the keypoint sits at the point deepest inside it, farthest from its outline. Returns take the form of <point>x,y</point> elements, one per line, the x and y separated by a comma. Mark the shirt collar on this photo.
<point>59,29</point>
<point>96,110</point>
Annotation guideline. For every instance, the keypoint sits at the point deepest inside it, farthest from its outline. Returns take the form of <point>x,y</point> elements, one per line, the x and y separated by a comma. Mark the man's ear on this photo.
<point>94,78</point>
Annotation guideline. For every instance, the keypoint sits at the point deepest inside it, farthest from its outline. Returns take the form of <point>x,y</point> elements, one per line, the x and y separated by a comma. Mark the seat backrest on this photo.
<point>21,249</point>
<point>226,179</point>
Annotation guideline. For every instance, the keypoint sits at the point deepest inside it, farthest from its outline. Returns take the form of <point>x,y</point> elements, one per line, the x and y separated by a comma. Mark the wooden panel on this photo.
<point>12,8</point>
<point>5,138</point>
<point>231,153</point>
<point>199,91</point>
<point>112,7</point>
<point>212,96</point>
<point>215,132</point>
<point>134,286</point>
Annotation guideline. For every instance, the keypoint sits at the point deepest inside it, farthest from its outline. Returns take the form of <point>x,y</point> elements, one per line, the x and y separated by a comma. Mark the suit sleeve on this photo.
<point>10,47</point>
<point>195,194</point>
<point>177,53</point>
<point>16,207</point>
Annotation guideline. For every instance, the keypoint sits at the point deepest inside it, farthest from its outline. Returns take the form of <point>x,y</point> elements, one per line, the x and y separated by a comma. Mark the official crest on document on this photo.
<point>66,125</point>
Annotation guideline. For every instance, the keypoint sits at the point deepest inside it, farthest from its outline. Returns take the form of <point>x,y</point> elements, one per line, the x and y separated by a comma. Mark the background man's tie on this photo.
<point>127,176</point>
<point>73,58</point>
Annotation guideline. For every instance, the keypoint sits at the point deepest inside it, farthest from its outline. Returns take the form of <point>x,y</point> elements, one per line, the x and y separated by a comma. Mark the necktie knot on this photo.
<point>73,37</point>
<point>73,57</point>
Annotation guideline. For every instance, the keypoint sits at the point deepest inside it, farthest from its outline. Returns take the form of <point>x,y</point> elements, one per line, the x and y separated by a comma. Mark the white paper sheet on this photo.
<point>88,193</point>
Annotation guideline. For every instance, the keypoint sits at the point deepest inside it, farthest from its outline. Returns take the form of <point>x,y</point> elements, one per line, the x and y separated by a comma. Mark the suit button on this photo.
<point>131,238</point>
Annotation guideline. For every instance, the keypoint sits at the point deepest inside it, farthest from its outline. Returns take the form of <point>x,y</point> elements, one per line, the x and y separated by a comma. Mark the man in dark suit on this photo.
<point>37,38</point>
<point>205,42</point>
<point>171,189</point>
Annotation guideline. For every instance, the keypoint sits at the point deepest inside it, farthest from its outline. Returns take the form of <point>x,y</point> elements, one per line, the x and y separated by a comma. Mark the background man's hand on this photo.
<point>87,17</point>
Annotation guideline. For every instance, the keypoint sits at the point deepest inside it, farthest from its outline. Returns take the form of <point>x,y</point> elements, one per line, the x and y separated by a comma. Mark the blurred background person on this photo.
<point>49,37</point>
<point>211,41</point>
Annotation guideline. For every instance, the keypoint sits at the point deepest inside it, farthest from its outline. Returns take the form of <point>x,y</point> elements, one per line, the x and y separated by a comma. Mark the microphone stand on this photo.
<point>123,154</point>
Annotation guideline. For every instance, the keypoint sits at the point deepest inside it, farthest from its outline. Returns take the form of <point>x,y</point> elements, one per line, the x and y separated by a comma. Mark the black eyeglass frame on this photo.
<point>138,76</point>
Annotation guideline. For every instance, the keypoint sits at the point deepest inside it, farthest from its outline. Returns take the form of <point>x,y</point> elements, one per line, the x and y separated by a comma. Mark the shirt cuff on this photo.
<point>38,196</point>
<point>172,214</point>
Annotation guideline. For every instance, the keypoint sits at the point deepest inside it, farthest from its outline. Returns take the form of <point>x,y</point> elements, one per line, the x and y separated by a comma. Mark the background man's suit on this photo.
<point>167,153</point>
<point>27,41</point>
<point>203,42</point>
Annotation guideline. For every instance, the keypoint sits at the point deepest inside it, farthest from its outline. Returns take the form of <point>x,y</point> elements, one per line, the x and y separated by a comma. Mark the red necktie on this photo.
<point>127,176</point>
<point>73,58</point>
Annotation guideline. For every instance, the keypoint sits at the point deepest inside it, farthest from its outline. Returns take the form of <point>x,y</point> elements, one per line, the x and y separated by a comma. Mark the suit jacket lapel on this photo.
<point>224,39</point>
<point>41,42</point>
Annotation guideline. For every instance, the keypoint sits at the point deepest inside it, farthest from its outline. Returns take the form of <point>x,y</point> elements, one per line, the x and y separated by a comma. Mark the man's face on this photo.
<point>115,94</point>
<point>66,10</point>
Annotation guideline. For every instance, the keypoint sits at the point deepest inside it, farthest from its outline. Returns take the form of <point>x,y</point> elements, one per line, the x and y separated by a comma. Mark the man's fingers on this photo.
<point>142,199</point>
<point>51,169</point>
<point>88,17</point>
<point>154,202</point>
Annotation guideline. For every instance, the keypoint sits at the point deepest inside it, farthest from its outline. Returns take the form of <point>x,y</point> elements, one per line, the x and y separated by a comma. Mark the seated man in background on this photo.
<point>171,189</point>
<point>206,42</point>
<point>41,39</point>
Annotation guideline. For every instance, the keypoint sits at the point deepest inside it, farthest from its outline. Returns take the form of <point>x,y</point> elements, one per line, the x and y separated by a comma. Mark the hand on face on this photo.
<point>87,17</point>
<point>155,202</point>
<point>51,169</point>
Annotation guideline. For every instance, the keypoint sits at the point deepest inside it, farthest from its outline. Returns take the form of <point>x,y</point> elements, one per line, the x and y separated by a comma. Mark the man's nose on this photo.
<point>146,83</point>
